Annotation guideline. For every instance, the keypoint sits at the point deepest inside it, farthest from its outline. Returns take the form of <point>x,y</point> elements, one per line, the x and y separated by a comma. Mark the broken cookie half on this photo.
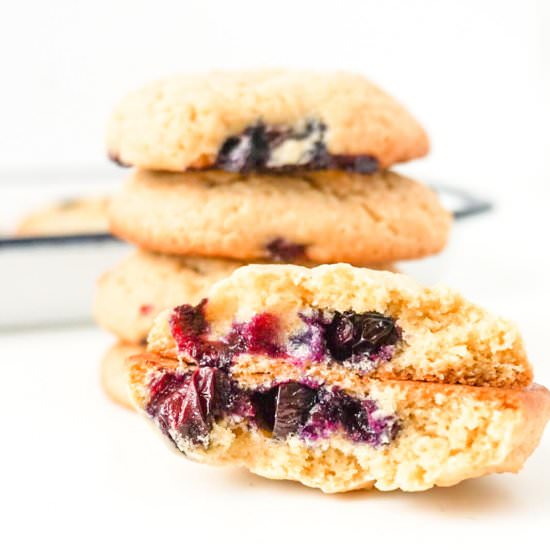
<point>341,378</point>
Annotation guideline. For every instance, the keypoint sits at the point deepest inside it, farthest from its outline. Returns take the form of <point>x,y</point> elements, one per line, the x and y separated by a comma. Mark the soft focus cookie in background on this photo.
<point>263,120</point>
<point>320,217</point>
<point>114,372</point>
<point>68,217</point>
<point>131,294</point>
<point>341,378</point>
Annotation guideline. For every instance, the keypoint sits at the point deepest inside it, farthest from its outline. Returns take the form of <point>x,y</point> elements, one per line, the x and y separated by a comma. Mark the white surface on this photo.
<point>78,471</point>
<point>67,271</point>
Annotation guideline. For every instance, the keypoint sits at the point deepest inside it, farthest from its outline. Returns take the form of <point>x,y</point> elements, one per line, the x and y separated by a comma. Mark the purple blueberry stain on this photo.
<point>283,250</point>
<point>362,164</point>
<point>146,309</point>
<point>260,335</point>
<point>310,343</point>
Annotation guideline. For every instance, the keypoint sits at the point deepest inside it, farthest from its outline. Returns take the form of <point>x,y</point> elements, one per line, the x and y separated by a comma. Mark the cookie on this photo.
<point>267,120</point>
<point>72,216</point>
<point>384,434</point>
<point>337,322</point>
<point>114,372</point>
<point>320,217</point>
<point>341,378</point>
<point>129,296</point>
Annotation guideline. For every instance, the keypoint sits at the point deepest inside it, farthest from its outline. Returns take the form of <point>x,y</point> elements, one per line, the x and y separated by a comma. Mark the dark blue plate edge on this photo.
<point>471,206</point>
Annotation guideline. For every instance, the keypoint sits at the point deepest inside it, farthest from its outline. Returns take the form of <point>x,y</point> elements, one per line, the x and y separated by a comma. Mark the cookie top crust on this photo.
<point>263,120</point>
<point>337,320</point>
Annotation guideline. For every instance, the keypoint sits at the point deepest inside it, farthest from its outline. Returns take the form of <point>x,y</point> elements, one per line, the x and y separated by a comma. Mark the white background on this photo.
<point>79,472</point>
<point>475,72</point>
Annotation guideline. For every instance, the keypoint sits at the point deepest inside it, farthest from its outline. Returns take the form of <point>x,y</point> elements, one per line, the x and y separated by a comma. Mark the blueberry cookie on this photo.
<point>341,378</point>
<point>114,372</point>
<point>71,216</point>
<point>269,120</point>
<point>320,217</point>
<point>336,319</point>
<point>134,292</point>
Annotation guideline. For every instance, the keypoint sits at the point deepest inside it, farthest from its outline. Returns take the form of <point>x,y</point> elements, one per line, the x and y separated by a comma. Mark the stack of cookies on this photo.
<point>232,168</point>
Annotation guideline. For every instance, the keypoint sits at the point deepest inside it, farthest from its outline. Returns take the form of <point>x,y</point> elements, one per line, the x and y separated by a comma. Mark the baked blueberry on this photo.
<point>282,250</point>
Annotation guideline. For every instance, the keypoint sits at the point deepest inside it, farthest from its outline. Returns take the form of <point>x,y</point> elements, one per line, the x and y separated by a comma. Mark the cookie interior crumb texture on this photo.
<point>443,337</point>
<point>187,121</point>
<point>447,433</point>
<point>422,389</point>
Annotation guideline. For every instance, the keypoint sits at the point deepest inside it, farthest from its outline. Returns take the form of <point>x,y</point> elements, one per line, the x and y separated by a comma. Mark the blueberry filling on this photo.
<point>281,250</point>
<point>285,407</point>
<point>347,337</point>
<point>186,405</point>
<point>358,340</point>
<point>258,336</point>
<point>351,335</point>
<point>263,147</point>
<point>362,164</point>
